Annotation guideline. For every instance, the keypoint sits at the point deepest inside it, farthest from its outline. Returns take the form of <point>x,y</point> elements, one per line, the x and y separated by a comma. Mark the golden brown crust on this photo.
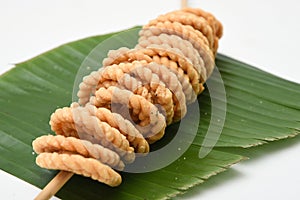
<point>62,123</point>
<point>91,128</point>
<point>150,122</point>
<point>78,164</point>
<point>195,37</point>
<point>216,24</point>
<point>115,120</point>
<point>185,18</point>
<point>140,80</point>
<point>58,143</point>
<point>177,63</point>
<point>89,125</point>
<point>152,90</point>
<point>184,46</point>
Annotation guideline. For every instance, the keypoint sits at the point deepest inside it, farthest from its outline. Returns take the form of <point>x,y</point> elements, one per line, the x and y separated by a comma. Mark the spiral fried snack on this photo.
<point>127,104</point>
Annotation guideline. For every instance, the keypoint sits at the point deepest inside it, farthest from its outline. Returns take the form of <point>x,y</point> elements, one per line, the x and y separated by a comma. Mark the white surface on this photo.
<point>262,33</point>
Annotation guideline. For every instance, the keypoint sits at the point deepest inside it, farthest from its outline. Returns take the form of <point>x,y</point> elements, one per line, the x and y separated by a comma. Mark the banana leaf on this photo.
<point>259,108</point>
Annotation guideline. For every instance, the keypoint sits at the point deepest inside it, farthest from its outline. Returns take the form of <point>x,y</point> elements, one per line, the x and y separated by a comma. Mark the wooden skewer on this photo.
<point>184,3</point>
<point>54,185</point>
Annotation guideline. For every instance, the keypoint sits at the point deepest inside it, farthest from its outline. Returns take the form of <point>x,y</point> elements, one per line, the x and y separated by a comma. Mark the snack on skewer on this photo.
<point>127,104</point>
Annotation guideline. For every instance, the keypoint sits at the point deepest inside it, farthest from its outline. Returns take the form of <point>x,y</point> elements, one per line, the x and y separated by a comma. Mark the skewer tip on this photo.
<point>184,3</point>
<point>54,185</point>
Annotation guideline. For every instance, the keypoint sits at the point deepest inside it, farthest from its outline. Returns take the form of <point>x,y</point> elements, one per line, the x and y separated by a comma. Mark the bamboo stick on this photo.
<point>184,3</point>
<point>54,185</point>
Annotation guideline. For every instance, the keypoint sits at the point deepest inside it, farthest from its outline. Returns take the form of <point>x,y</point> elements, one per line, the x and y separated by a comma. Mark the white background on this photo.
<point>263,33</point>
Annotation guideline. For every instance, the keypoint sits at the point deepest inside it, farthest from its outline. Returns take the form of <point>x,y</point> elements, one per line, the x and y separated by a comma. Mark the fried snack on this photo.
<point>186,48</point>
<point>170,59</point>
<point>78,164</point>
<point>184,18</point>
<point>172,82</point>
<point>183,64</point>
<point>91,82</point>
<point>197,39</point>
<point>62,122</point>
<point>149,121</point>
<point>150,83</point>
<point>140,80</point>
<point>216,24</point>
<point>115,120</point>
<point>68,122</point>
<point>107,136</point>
<point>50,144</point>
<point>127,104</point>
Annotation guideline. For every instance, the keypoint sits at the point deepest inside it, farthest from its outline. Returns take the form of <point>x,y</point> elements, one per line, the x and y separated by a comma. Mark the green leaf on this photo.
<point>260,108</point>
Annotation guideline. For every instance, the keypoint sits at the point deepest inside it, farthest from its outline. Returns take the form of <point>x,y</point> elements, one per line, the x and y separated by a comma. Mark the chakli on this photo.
<point>127,104</point>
